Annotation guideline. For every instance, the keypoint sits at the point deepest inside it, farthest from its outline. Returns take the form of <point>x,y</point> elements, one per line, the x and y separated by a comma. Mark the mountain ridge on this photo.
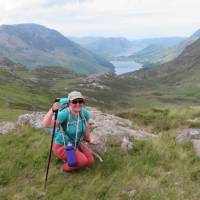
<point>166,54</point>
<point>35,45</point>
<point>121,46</point>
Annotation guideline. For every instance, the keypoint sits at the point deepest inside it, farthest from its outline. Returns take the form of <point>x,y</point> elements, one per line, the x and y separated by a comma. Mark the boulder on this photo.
<point>196,146</point>
<point>34,119</point>
<point>6,127</point>
<point>113,129</point>
<point>192,135</point>
<point>188,134</point>
<point>126,144</point>
<point>129,192</point>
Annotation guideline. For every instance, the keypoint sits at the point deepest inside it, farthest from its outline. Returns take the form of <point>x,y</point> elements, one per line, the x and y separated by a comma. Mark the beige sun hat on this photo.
<point>75,95</point>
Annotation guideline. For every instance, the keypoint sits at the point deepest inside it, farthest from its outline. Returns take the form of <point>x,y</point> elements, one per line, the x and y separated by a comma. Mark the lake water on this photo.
<point>122,67</point>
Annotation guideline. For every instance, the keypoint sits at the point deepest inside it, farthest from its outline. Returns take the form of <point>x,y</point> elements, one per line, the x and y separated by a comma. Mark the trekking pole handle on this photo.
<point>56,111</point>
<point>57,100</point>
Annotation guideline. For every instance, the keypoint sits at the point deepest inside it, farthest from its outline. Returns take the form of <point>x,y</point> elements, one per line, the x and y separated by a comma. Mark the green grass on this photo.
<point>7,114</point>
<point>18,96</point>
<point>158,119</point>
<point>156,169</point>
<point>34,90</point>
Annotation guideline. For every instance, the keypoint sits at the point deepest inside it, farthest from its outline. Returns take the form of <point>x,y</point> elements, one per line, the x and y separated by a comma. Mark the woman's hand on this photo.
<point>93,141</point>
<point>48,119</point>
<point>91,122</point>
<point>55,106</point>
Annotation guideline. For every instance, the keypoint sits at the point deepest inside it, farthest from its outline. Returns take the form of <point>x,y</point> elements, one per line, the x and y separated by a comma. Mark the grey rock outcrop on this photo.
<point>106,129</point>
<point>97,80</point>
<point>33,119</point>
<point>110,128</point>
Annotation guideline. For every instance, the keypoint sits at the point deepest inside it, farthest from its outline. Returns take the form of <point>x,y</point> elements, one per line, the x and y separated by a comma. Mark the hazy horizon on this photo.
<point>102,36</point>
<point>129,38</point>
<point>133,19</point>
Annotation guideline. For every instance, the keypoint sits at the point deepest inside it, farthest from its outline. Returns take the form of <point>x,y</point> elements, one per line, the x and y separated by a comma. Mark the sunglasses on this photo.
<point>75,101</point>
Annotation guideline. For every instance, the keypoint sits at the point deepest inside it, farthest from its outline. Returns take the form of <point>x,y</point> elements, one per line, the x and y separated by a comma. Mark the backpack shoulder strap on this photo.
<point>83,117</point>
<point>64,126</point>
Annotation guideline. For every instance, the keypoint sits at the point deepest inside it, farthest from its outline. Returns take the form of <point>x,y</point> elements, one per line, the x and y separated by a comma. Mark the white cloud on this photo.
<point>131,18</point>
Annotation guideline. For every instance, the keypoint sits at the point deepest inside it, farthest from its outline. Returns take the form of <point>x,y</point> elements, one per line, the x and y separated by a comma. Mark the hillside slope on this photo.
<point>159,56</point>
<point>185,66</point>
<point>175,82</point>
<point>35,45</point>
<point>151,55</point>
<point>35,89</point>
<point>107,47</point>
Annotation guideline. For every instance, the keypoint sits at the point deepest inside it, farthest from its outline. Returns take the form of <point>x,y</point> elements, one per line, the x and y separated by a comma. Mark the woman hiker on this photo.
<point>72,122</point>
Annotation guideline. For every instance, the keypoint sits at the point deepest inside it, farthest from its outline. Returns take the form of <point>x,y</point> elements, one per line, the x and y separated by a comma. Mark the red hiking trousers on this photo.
<point>84,156</point>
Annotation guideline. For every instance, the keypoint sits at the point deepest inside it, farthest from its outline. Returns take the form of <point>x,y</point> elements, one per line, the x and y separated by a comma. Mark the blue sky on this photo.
<point>128,18</point>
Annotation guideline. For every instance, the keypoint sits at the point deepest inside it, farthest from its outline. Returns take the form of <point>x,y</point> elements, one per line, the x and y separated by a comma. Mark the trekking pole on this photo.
<point>52,138</point>
<point>97,155</point>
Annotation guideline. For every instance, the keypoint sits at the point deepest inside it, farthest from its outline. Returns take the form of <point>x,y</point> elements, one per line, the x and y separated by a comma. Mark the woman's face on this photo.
<point>76,104</point>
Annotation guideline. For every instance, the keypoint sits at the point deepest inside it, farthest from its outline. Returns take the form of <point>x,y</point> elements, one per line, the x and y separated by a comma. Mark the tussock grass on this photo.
<point>158,119</point>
